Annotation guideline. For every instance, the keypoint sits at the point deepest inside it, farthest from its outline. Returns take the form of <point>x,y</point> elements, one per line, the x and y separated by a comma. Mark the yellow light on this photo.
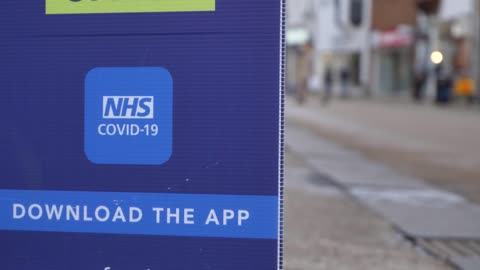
<point>436,57</point>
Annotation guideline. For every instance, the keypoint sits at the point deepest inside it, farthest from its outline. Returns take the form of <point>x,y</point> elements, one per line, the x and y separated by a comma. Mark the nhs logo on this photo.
<point>128,115</point>
<point>128,107</point>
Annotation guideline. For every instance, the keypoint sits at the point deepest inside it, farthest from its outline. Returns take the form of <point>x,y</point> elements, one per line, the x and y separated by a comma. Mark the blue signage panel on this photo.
<point>141,136</point>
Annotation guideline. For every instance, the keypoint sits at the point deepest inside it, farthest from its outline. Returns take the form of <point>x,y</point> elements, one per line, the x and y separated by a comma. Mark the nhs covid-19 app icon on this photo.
<point>128,115</point>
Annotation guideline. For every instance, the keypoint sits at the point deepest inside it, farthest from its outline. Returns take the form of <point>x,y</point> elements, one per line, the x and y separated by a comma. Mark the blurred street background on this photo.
<point>383,134</point>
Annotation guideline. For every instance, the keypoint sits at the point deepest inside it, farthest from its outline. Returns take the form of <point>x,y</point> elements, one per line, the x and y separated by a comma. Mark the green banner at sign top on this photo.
<point>126,6</point>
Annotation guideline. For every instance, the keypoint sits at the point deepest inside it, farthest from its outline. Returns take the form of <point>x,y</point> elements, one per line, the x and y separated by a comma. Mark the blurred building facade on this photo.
<point>393,23</point>
<point>337,44</point>
<point>391,43</point>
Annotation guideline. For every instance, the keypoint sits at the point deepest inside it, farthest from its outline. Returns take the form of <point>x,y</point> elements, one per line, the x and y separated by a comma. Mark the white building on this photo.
<point>337,43</point>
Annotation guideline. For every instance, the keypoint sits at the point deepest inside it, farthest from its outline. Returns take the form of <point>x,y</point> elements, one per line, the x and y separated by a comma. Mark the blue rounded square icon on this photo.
<point>128,115</point>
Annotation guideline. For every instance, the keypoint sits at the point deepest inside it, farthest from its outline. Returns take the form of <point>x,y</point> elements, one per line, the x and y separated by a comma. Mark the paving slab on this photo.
<point>425,213</point>
<point>326,229</point>
<point>466,263</point>
<point>346,167</point>
<point>307,144</point>
<point>353,173</point>
<point>299,177</point>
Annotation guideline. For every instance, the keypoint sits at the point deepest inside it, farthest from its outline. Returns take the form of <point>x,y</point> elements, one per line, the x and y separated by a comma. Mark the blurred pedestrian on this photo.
<point>345,81</point>
<point>444,85</point>
<point>303,69</point>
<point>419,84</point>
<point>328,83</point>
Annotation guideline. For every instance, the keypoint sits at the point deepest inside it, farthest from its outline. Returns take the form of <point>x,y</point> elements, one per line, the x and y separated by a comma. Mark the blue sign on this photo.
<point>141,136</point>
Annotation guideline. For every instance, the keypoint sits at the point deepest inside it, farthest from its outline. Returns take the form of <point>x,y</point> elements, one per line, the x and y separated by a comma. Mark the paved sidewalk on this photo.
<point>441,146</point>
<point>326,229</point>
